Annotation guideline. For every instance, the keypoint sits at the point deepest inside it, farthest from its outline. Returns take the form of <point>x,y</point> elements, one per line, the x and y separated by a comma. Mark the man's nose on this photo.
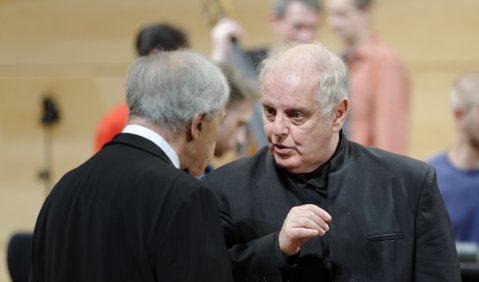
<point>280,125</point>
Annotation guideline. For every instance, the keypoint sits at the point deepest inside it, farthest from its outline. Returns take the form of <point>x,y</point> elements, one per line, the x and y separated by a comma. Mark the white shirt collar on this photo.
<point>155,138</point>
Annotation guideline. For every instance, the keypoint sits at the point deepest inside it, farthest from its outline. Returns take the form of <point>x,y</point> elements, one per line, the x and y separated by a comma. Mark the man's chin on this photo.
<point>286,163</point>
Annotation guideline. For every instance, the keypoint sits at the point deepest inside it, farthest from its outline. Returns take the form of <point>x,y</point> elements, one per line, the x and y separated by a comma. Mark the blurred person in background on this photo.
<point>131,212</point>
<point>379,82</point>
<point>232,135</point>
<point>292,20</point>
<point>160,36</point>
<point>458,167</point>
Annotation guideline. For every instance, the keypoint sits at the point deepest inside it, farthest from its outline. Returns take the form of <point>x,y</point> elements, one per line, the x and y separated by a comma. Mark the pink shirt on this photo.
<point>380,94</point>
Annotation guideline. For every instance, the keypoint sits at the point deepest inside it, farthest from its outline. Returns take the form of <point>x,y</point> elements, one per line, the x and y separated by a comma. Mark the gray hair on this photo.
<point>328,72</point>
<point>464,92</point>
<point>363,4</point>
<point>280,6</point>
<point>169,89</point>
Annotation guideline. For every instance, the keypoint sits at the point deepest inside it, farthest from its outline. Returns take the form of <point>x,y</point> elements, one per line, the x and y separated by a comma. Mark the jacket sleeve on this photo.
<point>194,235</point>
<point>435,252</point>
<point>257,260</point>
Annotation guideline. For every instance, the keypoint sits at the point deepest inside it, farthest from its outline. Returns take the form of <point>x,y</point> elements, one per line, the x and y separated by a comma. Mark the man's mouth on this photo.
<point>281,149</point>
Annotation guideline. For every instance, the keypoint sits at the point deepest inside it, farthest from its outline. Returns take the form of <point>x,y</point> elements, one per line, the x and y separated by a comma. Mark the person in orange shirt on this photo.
<point>379,82</point>
<point>162,37</point>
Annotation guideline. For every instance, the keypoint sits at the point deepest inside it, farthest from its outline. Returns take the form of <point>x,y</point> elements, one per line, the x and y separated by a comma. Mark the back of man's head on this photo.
<point>464,92</point>
<point>315,63</point>
<point>162,37</point>
<point>281,6</point>
<point>169,89</point>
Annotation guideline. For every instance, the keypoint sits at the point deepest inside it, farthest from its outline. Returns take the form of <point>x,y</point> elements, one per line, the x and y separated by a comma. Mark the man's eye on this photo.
<point>268,111</point>
<point>296,115</point>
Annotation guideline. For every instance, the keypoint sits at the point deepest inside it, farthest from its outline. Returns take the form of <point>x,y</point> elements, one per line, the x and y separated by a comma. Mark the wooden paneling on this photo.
<point>79,52</point>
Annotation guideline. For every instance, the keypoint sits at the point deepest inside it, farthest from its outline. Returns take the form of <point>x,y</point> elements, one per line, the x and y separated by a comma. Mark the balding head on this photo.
<point>314,63</point>
<point>464,98</point>
<point>465,91</point>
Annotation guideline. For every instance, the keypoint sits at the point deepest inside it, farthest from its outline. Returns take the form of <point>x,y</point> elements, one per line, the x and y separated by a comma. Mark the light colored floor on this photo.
<point>79,52</point>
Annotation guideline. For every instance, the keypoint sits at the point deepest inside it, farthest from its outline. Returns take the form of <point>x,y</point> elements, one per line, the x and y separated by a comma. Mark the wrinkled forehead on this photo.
<point>291,72</point>
<point>284,77</point>
<point>298,63</point>
<point>289,89</point>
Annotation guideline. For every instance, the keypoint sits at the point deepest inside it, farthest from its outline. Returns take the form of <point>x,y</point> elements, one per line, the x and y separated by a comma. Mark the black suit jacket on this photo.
<point>389,222</point>
<point>127,214</point>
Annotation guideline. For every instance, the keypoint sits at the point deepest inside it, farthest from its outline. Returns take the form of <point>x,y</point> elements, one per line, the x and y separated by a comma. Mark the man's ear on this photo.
<point>459,114</point>
<point>195,127</point>
<point>339,115</point>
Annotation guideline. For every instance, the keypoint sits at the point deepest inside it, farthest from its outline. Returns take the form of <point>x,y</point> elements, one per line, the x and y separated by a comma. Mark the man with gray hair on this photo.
<point>313,206</point>
<point>458,167</point>
<point>130,213</point>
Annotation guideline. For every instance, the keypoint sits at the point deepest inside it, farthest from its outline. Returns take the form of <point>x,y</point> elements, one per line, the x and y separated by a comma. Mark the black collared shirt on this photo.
<point>311,188</point>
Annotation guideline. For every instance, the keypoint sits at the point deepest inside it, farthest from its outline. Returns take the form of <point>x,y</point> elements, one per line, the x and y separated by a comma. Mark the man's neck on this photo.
<point>175,141</point>
<point>464,156</point>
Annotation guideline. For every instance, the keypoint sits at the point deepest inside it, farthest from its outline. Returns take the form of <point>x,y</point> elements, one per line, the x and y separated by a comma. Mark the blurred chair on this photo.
<point>19,256</point>
<point>469,257</point>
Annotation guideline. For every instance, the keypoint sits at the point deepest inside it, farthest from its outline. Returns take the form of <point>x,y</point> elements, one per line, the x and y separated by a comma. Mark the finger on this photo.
<point>302,233</point>
<point>310,215</point>
<point>310,212</point>
<point>318,211</point>
<point>304,222</point>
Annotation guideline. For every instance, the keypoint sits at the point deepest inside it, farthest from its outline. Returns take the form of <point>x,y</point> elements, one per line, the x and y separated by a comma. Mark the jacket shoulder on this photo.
<point>241,171</point>
<point>386,161</point>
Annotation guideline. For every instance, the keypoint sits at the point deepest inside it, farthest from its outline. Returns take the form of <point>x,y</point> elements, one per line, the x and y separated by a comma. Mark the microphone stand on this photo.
<point>49,117</point>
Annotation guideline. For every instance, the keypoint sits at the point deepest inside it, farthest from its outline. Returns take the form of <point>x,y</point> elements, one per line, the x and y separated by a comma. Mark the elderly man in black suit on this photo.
<point>313,206</point>
<point>130,213</point>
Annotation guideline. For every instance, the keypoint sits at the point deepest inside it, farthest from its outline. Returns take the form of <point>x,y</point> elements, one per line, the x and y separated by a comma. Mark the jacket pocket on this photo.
<point>386,237</point>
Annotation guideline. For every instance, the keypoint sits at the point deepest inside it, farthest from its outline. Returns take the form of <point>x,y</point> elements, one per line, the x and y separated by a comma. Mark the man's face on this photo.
<point>201,153</point>
<point>233,130</point>
<point>346,19</point>
<point>299,137</point>
<point>299,23</point>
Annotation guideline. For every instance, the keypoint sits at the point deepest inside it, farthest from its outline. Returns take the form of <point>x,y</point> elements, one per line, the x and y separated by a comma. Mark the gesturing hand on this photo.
<point>301,224</point>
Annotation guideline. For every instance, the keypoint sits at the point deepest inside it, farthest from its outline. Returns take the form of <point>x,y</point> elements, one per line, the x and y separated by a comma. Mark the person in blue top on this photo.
<point>458,167</point>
